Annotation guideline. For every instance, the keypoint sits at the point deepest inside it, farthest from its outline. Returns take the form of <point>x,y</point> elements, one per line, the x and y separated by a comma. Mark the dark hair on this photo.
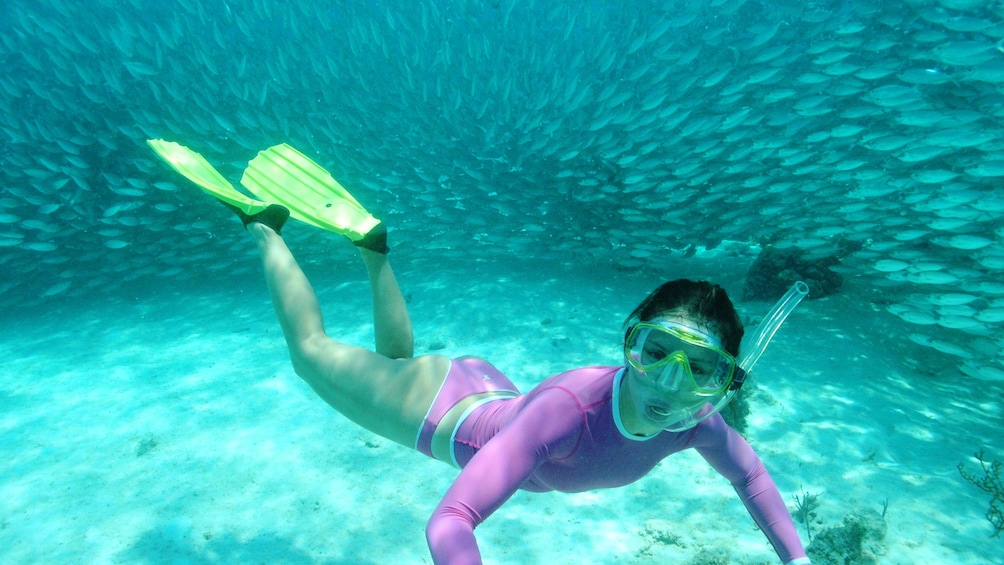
<point>706,303</point>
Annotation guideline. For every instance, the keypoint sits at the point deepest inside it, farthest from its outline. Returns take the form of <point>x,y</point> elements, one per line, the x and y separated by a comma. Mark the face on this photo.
<point>676,372</point>
<point>656,408</point>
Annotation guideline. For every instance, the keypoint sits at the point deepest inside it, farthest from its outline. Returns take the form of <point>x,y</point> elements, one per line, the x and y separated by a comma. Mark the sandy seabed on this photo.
<point>169,427</point>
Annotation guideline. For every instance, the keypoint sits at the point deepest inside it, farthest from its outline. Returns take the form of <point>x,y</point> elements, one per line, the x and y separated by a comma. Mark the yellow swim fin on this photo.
<point>195,168</point>
<point>283,175</point>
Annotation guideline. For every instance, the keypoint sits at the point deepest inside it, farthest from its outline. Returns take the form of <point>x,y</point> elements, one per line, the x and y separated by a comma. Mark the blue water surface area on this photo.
<point>541,167</point>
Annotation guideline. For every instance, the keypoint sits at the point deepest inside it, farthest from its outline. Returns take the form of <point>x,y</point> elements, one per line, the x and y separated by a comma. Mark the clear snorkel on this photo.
<point>754,345</point>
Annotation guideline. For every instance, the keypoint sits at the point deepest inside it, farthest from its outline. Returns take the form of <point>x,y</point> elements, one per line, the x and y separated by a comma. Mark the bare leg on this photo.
<point>394,336</point>
<point>385,395</point>
<point>292,296</point>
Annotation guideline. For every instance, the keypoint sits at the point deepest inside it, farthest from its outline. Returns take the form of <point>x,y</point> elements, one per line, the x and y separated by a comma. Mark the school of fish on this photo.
<point>617,133</point>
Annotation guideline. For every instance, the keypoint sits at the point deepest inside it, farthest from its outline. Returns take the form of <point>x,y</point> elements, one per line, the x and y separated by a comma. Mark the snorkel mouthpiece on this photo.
<point>756,344</point>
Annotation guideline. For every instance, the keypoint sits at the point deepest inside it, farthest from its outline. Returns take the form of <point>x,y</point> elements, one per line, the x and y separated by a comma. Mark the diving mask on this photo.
<point>675,358</point>
<point>680,376</point>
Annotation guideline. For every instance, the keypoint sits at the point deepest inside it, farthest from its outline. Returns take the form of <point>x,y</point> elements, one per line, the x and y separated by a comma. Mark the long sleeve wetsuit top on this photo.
<point>565,435</point>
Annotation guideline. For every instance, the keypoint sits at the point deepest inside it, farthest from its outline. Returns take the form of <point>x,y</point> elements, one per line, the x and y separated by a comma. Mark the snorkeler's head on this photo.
<point>680,348</point>
<point>704,304</point>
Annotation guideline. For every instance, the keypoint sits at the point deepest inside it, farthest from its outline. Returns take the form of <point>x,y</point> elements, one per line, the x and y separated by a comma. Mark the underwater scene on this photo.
<point>541,167</point>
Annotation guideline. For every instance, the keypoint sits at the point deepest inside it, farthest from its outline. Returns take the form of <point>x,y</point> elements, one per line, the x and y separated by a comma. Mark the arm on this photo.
<point>731,456</point>
<point>548,427</point>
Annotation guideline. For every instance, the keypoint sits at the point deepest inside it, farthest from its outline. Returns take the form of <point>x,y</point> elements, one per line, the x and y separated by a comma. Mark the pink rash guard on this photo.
<point>565,435</point>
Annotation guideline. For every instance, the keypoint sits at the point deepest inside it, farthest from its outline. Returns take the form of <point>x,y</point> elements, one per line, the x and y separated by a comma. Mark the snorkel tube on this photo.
<point>756,343</point>
<point>754,347</point>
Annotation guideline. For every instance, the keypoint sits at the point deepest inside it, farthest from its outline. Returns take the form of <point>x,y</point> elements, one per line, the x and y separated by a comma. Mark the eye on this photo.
<point>700,370</point>
<point>653,355</point>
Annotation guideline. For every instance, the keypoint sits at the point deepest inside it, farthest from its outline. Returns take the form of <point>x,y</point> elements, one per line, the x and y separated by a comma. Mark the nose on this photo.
<point>673,373</point>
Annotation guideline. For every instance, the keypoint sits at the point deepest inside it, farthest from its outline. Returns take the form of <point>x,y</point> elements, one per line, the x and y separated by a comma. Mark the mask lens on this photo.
<point>713,380</point>
<point>659,351</point>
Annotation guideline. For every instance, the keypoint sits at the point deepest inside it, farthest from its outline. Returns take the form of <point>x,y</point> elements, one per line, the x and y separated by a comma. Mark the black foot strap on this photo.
<point>274,216</point>
<point>375,240</point>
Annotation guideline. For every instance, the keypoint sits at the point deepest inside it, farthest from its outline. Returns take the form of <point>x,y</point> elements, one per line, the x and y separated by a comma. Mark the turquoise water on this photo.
<point>174,430</point>
<point>541,168</point>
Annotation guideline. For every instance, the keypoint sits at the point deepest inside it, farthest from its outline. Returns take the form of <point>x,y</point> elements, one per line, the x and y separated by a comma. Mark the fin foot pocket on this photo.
<point>374,240</point>
<point>274,216</point>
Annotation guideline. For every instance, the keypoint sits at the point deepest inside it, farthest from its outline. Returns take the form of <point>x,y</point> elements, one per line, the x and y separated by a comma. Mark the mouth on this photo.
<point>656,412</point>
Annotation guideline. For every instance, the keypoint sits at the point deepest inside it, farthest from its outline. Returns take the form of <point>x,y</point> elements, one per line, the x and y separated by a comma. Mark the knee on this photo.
<point>301,366</point>
<point>402,350</point>
<point>306,356</point>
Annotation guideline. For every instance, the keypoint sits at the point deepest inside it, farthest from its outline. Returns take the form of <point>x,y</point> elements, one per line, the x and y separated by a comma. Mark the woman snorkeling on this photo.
<point>584,429</point>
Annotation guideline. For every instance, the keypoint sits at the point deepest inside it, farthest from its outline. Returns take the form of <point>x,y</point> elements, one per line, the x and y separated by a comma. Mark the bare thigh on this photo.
<point>389,397</point>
